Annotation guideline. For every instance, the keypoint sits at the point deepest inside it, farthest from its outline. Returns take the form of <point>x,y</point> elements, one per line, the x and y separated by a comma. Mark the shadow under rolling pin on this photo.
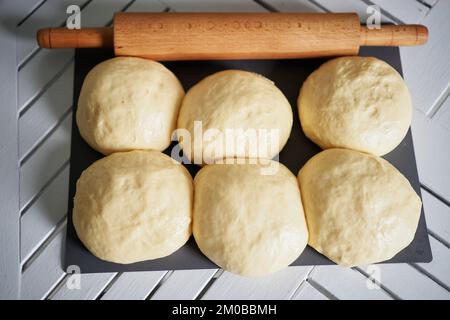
<point>213,36</point>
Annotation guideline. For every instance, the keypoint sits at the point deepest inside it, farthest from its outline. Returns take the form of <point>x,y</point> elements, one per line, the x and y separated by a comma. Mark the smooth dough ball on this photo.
<point>246,222</point>
<point>355,103</point>
<point>133,206</point>
<point>128,103</point>
<point>359,208</point>
<point>254,112</point>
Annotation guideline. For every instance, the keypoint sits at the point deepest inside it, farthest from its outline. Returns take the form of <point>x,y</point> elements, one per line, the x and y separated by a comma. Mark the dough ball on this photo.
<point>128,103</point>
<point>254,112</point>
<point>358,207</point>
<point>246,222</point>
<point>355,103</point>
<point>133,206</point>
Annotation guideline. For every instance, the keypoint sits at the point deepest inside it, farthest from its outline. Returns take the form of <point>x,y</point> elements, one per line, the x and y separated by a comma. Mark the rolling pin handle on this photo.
<point>76,38</point>
<point>43,38</point>
<point>394,35</point>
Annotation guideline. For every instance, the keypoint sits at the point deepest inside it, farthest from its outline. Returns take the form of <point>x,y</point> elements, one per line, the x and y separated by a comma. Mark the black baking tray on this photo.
<point>288,75</point>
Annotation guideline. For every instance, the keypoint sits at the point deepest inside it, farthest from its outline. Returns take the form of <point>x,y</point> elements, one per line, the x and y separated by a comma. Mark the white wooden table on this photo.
<point>35,123</point>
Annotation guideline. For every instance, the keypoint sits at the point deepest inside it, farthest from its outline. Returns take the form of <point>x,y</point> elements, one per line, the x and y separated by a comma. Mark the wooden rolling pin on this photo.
<point>189,36</point>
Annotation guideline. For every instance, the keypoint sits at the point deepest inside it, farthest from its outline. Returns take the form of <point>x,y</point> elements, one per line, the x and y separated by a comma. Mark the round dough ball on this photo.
<point>256,114</point>
<point>355,103</point>
<point>128,103</point>
<point>359,208</point>
<point>246,222</point>
<point>133,206</point>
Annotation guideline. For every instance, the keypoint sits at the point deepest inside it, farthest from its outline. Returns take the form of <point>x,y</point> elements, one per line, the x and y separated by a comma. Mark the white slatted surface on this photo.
<point>293,5</point>
<point>431,138</point>
<point>308,292</point>
<point>37,170</point>
<point>43,216</point>
<point>134,285</point>
<point>191,283</point>
<point>439,268</point>
<point>437,216</point>
<point>44,272</point>
<point>213,5</point>
<point>50,13</point>
<point>404,10</point>
<point>9,173</point>
<point>345,283</point>
<point>406,282</point>
<point>280,285</point>
<point>40,153</point>
<point>431,82</point>
<point>92,286</point>
<point>442,115</point>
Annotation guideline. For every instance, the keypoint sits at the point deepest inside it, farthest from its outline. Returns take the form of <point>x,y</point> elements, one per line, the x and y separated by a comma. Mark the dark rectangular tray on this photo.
<point>288,75</point>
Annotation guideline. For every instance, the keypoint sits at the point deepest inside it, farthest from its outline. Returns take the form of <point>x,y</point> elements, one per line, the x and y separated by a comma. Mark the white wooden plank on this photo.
<point>213,5</point>
<point>43,164</point>
<point>41,219</point>
<point>431,144</point>
<point>439,268</point>
<point>91,286</point>
<point>408,283</point>
<point>23,9</point>
<point>357,6</point>
<point>430,3</point>
<point>280,285</point>
<point>293,5</point>
<point>183,284</point>
<point>134,285</point>
<point>346,283</point>
<point>427,67</point>
<point>308,292</point>
<point>9,188</point>
<point>146,6</point>
<point>44,273</point>
<point>437,215</point>
<point>407,11</point>
<point>442,115</point>
<point>35,76</point>
<point>51,14</point>
<point>46,112</point>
